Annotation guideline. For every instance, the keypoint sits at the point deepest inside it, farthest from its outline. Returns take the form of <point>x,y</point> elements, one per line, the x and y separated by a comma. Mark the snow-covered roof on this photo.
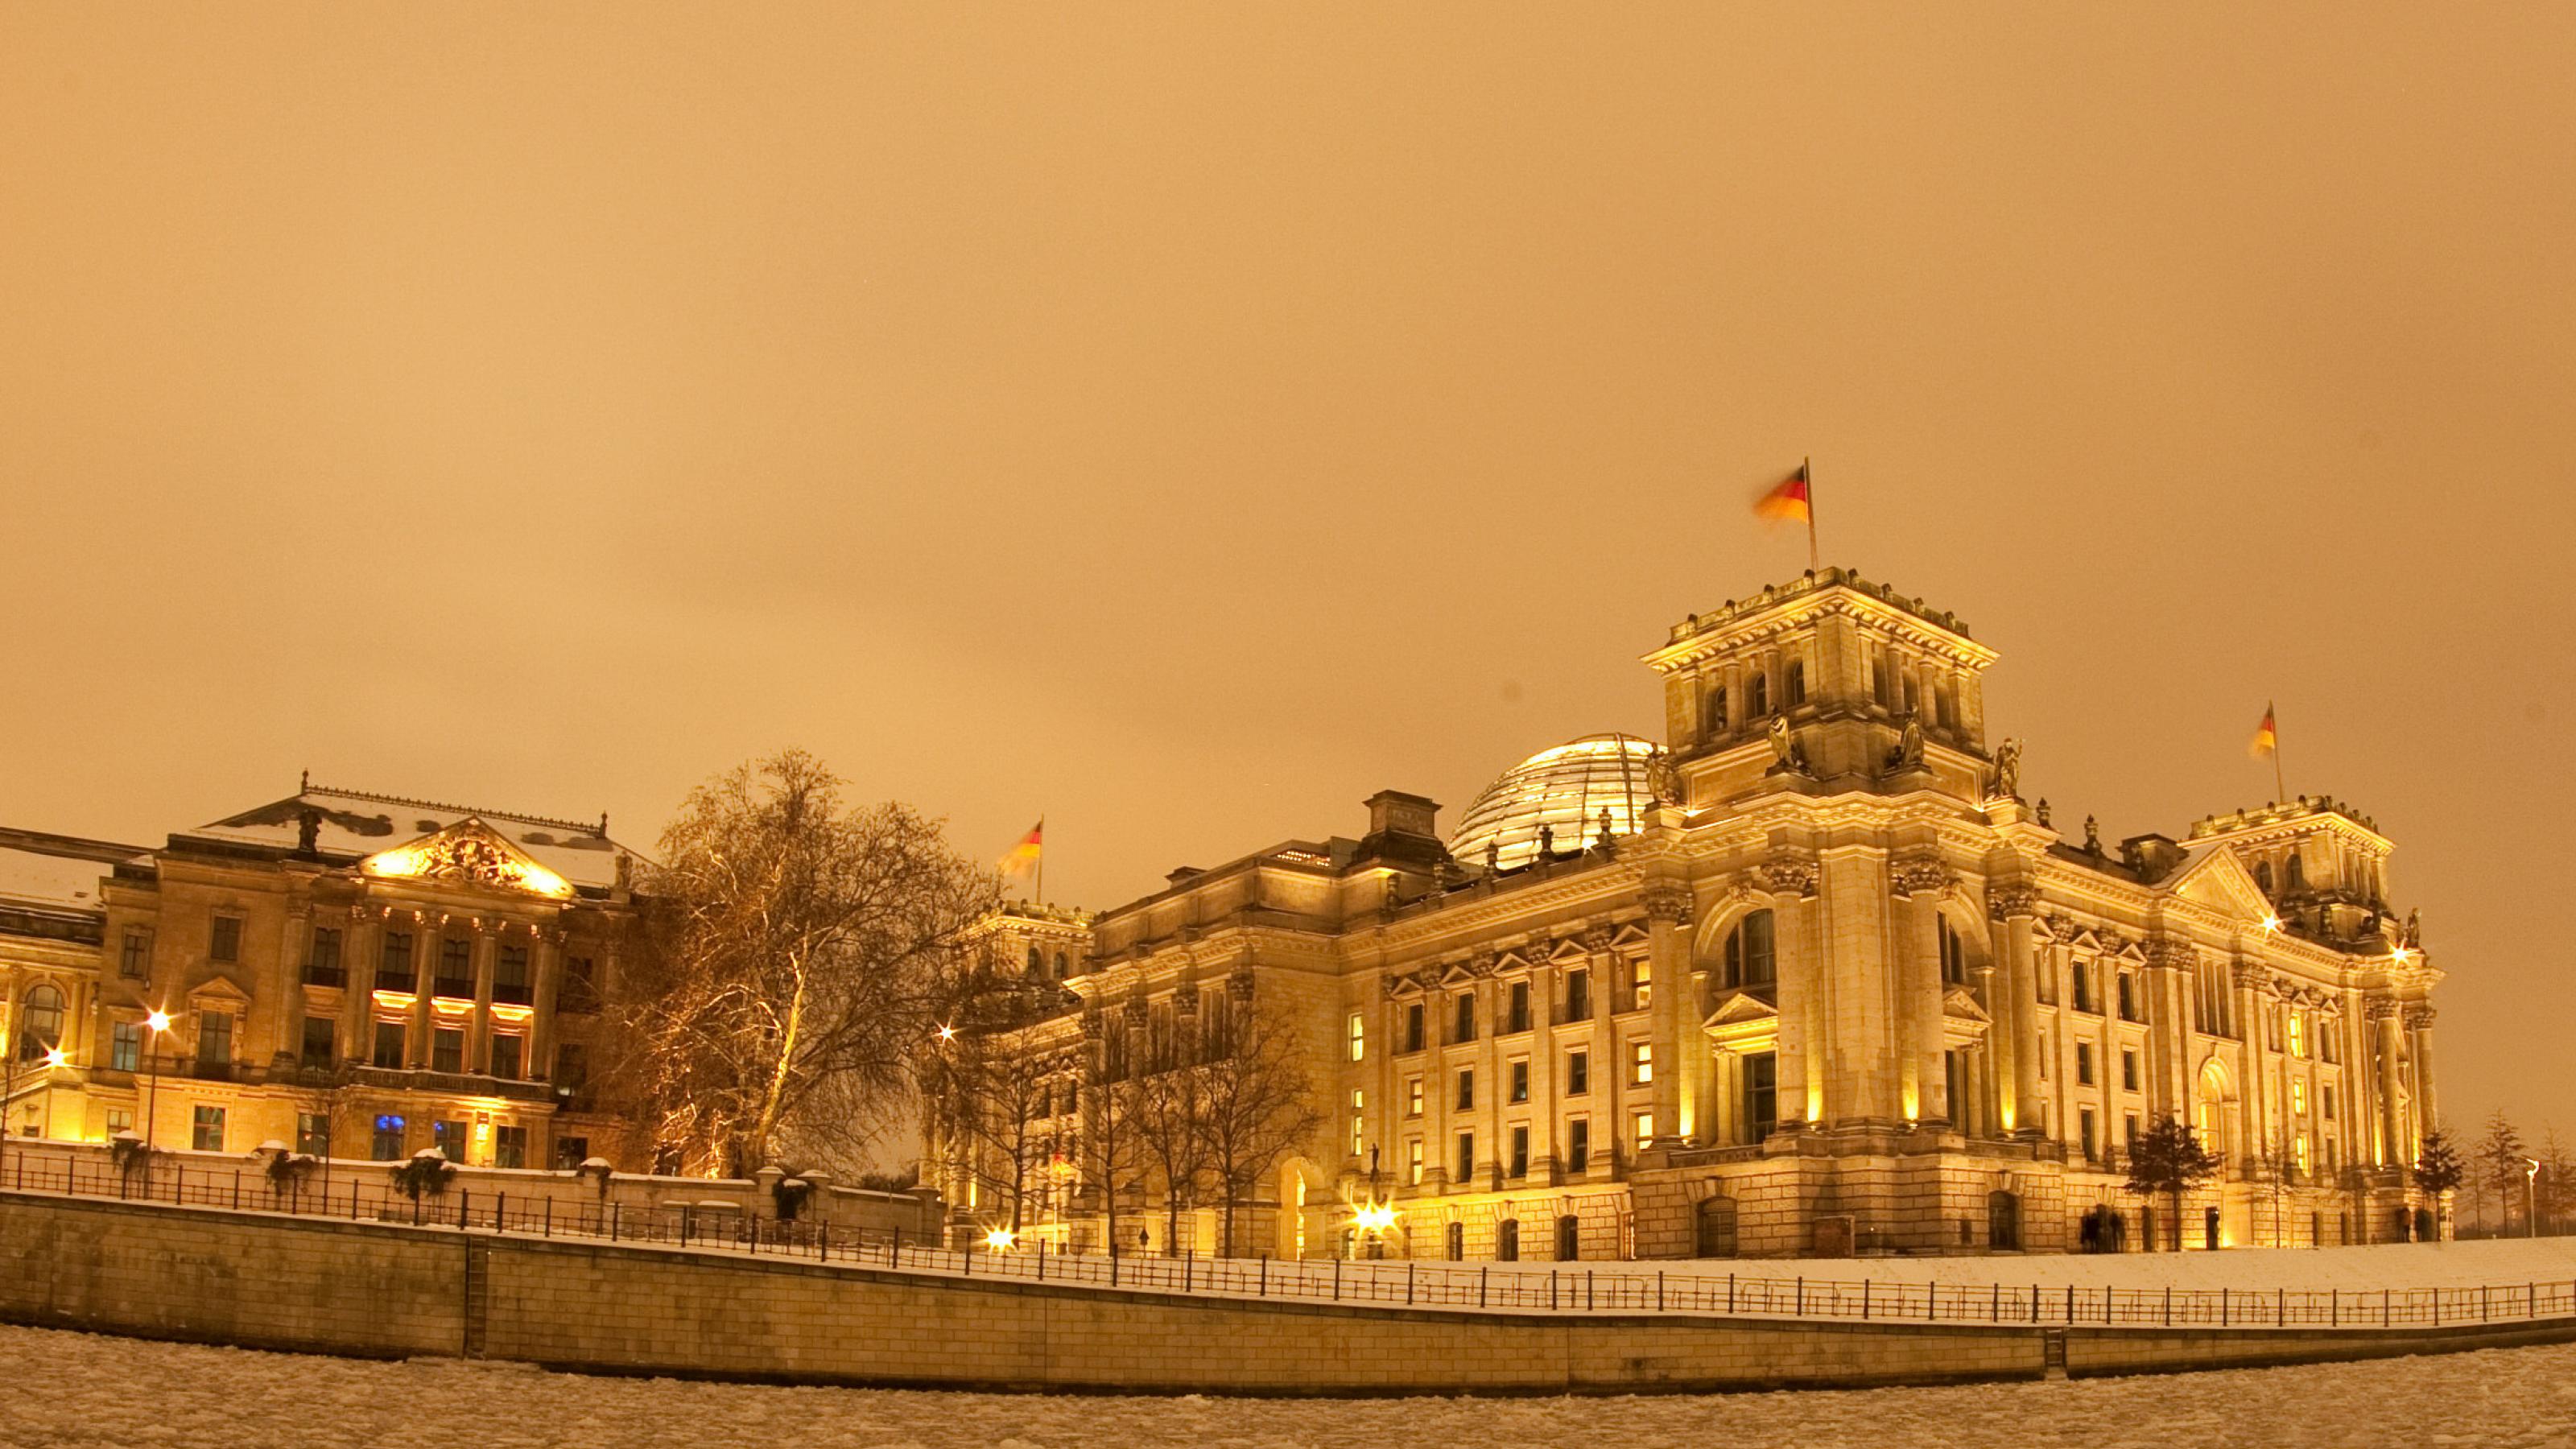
<point>49,881</point>
<point>357,824</point>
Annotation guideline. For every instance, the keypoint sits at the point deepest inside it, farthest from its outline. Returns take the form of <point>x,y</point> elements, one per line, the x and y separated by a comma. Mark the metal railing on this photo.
<point>1516,1288</point>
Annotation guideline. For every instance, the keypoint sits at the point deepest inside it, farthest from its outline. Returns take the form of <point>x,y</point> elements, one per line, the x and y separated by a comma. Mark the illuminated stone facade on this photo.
<point>376,974</point>
<point>1826,983</point>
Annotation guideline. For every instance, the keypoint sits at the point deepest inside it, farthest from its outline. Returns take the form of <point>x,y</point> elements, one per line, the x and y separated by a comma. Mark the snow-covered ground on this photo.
<point>72,1389</point>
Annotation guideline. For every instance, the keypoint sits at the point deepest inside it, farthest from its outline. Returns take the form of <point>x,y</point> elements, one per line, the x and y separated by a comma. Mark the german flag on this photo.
<point>1786,502</point>
<point>1025,855</point>
<point>2267,736</point>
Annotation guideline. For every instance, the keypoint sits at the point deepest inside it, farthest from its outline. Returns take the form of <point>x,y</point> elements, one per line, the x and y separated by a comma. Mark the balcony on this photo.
<point>513,994</point>
<point>454,988</point>
<point>454,1084</point>
<point>333,976</point>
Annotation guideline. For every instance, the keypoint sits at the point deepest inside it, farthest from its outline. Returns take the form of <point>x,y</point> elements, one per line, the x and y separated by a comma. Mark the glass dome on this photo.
<point>1564,789</point>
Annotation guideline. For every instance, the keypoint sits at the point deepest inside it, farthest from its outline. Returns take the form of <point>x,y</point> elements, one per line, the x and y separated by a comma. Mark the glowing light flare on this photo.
<point>1373,1216</point>
<point>2402,955</point>
<point>947,1032</point>
<point>2271,923</point>
<point>56,1057</point>
<point>158,1021</point>
<point>1000,1240</point>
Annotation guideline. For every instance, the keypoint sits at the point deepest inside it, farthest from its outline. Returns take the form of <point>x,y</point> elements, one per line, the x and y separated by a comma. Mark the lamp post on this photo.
<point>154,1024</point>
<point>2531,1197</point>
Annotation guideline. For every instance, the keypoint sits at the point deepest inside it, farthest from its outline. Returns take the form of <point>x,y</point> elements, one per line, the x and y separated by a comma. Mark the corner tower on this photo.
<point>1828,682</point>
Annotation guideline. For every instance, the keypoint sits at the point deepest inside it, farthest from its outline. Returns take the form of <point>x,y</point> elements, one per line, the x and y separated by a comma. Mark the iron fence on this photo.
<point>1563,1288</point>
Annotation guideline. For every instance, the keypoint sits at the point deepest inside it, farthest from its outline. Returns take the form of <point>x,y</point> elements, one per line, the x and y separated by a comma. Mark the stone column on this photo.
<point>1803,990</point>
<point>2254,1092</point>
<point>478,1027</point>
<point>1915,940</point>
<point>2395,1151</point>
<point>2015,910</point>
<point>2419,1029</point>
<point>428,943</point>
<point>1867,1052</point>
<point>364,947</point>
<point>545,964</point>
<point>1668,952</point>
<point>1547,1154</point>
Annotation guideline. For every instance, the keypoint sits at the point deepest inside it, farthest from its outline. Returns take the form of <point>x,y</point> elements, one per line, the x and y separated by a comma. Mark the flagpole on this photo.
<point>1041,871</point>
<point>2270,713</point>
<point>1807,467</point>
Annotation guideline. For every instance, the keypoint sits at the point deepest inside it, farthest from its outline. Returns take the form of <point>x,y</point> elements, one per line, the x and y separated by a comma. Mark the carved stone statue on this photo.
<point>1546,842</point>
<point>1908,754</point>
<point>308,830</point>
<point>1605,829</point>
<point>2008,770</point>
<point>2092,837</point>
<point>2414,938</point>
<point>1784,746</point>
<point>1662,782</point>
<point>2042,813</point>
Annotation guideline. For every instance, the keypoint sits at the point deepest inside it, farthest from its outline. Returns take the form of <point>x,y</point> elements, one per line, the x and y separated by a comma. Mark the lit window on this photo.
<point>1359,1038</point>
<point>1413,1096</point>
<point>1641,1062</point>
<point>1645,1128</point>
<point>1645,979</point>
<point>2298,1034</point>
<point>209,1125</point>
<point>2298,1096</point>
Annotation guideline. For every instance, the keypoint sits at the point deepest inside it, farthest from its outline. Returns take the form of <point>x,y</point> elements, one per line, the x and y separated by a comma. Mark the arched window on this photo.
<point>2294,873</point>
<point>1457,1241</point>
<point>1796,685</point>
<point>1713,1227</point>
<point>1569,1239</point>
<point>1037,962</point>
<point>1717,710</point>
<point>42,1024</point>
<point>2263,876</point>
<point>1507,1241</point>
<point>1761,696</point>
<point>1060,967</point>
<point>1749,960</point>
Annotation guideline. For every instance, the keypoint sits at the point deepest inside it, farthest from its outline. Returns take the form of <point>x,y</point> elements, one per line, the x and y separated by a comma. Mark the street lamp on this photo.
<point>2531,1198</point>
<point>158,1022</point>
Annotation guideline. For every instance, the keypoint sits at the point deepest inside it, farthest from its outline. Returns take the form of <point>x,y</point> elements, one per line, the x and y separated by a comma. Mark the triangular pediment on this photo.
<point>2220,881</point>
<point>1959,1003</point>
<point>472,854</point>
<point>1739,1007</point>
<point>218,990</point>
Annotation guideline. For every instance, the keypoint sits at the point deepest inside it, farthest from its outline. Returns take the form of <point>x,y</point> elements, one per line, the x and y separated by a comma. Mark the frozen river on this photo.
<point>78,1389</point>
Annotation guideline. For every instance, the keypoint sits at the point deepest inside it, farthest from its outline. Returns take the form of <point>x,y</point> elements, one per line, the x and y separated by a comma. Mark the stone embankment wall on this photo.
<point>919,1215</point>
<point>391,1290</point>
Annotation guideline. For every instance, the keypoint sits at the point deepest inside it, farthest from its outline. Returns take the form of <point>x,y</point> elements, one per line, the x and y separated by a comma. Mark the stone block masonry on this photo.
<point>376,1289</point>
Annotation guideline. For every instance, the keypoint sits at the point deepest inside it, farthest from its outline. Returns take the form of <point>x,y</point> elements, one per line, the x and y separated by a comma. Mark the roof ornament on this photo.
<point>308,831</point>
<point>1607,847</point>
<point>2007,771</point>
<point>1784,747</point>
<point>2092,837</point>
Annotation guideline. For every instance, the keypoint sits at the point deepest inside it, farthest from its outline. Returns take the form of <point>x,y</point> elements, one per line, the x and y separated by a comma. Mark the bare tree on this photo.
<point>1171,1133</point>
<point>1258,1104</point>
<point>988,1097</point>
<point>1107,1149</point>
<point>795,958</point>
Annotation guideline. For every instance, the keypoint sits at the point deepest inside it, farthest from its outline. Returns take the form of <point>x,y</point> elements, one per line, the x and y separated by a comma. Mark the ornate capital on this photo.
<point>2247,973</point>
<point>2004,902</point>
<point>2380,1008</point>
<point>1785,875</point>
<point>2172,953</point>
<point>2419,1015</point>
<point>1668,903</point>
<point>1918,873</point>
<point>1239,986</point>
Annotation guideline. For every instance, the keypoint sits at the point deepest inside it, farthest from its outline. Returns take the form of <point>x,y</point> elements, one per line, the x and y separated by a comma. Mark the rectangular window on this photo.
<point>225,944</point>
<point>1760,966</point>
<point>1466,1158</point>
<point>2129,998</point>
<point>1520,1018</point>
<point>2328,1093</point>
<point>2081,976</point>
<point>2298,1034</point>
<point>580,986</point>
<point>313,1134</point>
<point>2300,1152</point>
<point>2086,1116</point>
<point>389,1045</point>
<point>1641,1062</point>
<point>120,1120</point>
<point>1359,1037</point>
<point>446,1049</point>
<point>2129,1130</point>
<point>1413,1026</point>
<point>393,966</point>
<point>209,1124</point>
<point>1578,994</point>
<point>1520,1152</point>
<point>509,1147</point>
<point>571,1152</point>
<point>2298,1097</point>
<point>1466,1088</point>
<point>449,1139</point>
<point>1413,1162</point>
<point>1413,1096</point>
<point>1520,1080</point>
<point>321,1041</point>
<point>1645,1130</point>
<point>1578,1072</point>
<point>455,977</point>
<point>509,1051</point>
<point>387,1144</point>
<point>125,1046</point>
<point>510,982</point>
<point>1464,1028</point>
<point>1578,1144</point>
<point>572,1070</point>
<point>1359,1121</point>
<point>1642,976</point>
<point>1761,1095</point>
<point>2128,1071</point>
<point>214,1038</point>
<point>135,957</point>
<point>322,963</point>
<point>2084,1063</point>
